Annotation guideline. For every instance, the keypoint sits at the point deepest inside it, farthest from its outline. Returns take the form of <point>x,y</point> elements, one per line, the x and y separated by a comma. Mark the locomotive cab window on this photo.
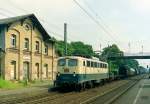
<point>61,62</point>
<point>72,62</point>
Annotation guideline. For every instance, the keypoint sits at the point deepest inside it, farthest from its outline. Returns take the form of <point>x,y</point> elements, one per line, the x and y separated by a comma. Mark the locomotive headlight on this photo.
<point>74,74</point>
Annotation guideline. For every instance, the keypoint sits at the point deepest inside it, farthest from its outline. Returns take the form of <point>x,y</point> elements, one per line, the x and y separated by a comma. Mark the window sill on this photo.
<point>25,51</point>
<point>12,49</point>
<point>47,56</point>
<point>37,53</point>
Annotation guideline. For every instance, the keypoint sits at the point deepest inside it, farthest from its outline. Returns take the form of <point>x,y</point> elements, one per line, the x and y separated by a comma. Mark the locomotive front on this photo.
<point>67,69</point>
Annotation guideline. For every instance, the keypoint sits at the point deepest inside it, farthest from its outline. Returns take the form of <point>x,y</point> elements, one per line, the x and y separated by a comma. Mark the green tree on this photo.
<point>113,50</point>
<point>81,49</point>
<point>131,63</point>
<point>74,48</point>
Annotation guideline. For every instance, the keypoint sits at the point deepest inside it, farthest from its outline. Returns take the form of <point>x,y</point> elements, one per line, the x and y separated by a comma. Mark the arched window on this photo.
<point>37,46</point>
<point>46,50</point>
<point>13,40</point>
<point>26,44</point>
<point>27,27</point>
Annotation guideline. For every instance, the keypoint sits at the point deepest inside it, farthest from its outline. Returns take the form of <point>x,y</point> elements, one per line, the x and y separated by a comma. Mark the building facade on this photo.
<point>27,50</point>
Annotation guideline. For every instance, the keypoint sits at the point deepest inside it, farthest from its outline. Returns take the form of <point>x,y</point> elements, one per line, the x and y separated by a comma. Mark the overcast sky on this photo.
<point>126,21</point>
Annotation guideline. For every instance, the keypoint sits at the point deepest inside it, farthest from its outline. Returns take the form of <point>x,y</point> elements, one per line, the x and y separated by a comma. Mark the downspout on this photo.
<point>19,59</point>
<point>31,55</point>
<point>52,61</point>
<point>41,60</point>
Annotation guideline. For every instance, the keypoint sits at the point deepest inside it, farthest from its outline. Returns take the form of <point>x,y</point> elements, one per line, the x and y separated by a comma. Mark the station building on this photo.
<point>26,49</point>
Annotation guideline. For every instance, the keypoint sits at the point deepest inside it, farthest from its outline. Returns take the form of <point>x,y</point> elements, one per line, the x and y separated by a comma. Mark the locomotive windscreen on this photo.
<point>67,62</point>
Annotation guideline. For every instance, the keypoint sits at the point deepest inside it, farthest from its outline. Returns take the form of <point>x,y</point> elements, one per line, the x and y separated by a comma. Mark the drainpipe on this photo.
<point>52,61</point>
<point>41,61</point>
<point>31,54</point>
<point>19,59</point>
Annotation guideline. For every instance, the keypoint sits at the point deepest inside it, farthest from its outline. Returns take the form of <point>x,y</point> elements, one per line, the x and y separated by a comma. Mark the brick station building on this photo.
<point>26,49</point>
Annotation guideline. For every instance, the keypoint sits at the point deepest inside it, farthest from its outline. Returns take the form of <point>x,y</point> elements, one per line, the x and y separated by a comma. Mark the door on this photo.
<point>37,70</point>
<point>45,71</point>
<point>26,70</point>
<point>13,70</point>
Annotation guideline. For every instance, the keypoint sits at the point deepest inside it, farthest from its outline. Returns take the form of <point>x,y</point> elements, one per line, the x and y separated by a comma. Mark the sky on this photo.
<point>122,22</point>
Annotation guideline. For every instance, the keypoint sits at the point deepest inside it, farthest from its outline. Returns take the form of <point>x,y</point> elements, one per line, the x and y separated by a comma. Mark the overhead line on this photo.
<point>100,17</point>
<point>97,22</point>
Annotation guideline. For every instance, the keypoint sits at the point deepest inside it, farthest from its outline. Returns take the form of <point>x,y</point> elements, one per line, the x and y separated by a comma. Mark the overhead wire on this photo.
<point>93,18</point>
<point>100,17</point>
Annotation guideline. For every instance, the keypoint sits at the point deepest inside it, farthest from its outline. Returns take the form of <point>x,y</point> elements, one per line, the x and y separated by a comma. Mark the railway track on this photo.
<point>70,97</point>
<point>110,97</point>
<point>18,98</point>
<point>82,97</point>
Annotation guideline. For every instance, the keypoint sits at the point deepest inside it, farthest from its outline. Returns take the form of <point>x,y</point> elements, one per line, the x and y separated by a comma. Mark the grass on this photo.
<point>4,84</point>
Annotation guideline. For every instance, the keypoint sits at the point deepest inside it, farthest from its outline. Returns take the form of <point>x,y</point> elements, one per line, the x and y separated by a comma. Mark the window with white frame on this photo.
<point>26,44</point>
<point>13,40</point>
<point>37,46</point>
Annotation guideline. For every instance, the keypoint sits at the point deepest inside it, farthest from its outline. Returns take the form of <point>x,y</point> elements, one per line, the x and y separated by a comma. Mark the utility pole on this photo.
<point>129,45</point>
<point>142,49</point>
<point>65,37</point>
<point>100,48</point>
<point>108,43</point>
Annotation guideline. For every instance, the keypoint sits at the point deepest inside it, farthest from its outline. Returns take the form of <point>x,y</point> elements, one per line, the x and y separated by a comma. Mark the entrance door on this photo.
<point>26,70</point>
<point>45,71</point>
<point>37,70</point>
<point>13,70</point>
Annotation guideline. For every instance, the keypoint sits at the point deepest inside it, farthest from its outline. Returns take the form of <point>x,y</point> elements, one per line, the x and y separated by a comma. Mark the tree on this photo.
<point>81,49</point>
<point>113,50</point>
<point>131,63</point>
<point>74,48</point>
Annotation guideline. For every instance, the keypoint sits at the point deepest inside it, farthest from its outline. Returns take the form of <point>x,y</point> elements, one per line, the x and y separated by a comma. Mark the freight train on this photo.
<point>125,71</point>
<point>79,72</point>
